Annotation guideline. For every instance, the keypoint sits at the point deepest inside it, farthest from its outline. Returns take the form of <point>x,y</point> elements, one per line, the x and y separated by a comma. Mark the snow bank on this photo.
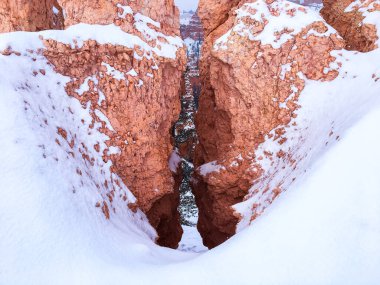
<point>325,230</point>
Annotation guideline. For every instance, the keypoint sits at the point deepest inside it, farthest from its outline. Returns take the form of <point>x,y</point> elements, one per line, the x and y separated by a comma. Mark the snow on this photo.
<point>126,10</point>
<point>210,167</point>
<point>189,42</point>
<point>327,107</point>
<point>325,230</point>
<point>132,72</point>
<point>55,10</point>
<point>104,34</point>
<point>102,97</point>
<point>104,119</point>
<point>85,87</point>
<point>191,241</point>
<point>174,161</point>
<point>111,71</point>
<point>295,24</point>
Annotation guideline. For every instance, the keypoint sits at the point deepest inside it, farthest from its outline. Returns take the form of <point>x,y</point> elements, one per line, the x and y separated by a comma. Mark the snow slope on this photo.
<point>51,236</point>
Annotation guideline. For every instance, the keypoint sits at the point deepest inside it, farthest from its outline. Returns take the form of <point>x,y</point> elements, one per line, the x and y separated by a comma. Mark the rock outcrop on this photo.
<point>128,74</point>
<point>30,15</point>
<point>106,12</point>
<point>347,17</point>
<point>254,132</point>
<point>213,13</point>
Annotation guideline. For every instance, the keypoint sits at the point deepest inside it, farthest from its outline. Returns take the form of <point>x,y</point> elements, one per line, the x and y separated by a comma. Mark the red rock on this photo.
<point>141,109</point>
<point>30,15</point>
<point>243,86</point>
<point>358,35</point>
<point>106,11</point>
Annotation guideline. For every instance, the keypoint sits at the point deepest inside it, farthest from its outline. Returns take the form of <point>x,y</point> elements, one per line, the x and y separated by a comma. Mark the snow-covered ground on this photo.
<point>324,230</point>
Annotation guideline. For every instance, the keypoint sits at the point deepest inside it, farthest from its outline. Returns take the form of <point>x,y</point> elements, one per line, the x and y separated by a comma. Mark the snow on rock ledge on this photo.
<point>279,89</point>
<point>356,21</point>
<point>125,75</point>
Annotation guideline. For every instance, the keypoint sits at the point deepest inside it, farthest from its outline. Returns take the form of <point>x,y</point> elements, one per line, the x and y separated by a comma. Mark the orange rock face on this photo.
<point>30,15</point>
<point>132,90</point>
<point>250,93</point>
<point>105,11</point>
<point>213,13</point>
<point>347,17</point>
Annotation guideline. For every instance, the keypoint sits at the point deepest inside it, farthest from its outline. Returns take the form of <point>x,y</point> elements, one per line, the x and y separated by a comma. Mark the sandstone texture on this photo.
<point>105,11</point>
<point>347,17</point>
<point>128,76</point>
<point>30,15</point>
<point>254,68</point>
<point>213,13</point>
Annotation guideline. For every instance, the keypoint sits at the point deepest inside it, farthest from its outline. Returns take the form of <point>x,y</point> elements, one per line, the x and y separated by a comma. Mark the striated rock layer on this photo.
<point>127,73</point>
<point>30,15</point>
<point>252,128</point>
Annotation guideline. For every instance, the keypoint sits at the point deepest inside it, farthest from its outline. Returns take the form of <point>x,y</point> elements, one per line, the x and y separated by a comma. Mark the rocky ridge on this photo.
<point>256,137</point>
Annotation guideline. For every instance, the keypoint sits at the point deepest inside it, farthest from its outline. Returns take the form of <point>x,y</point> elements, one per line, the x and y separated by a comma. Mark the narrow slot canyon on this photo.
<point>184,131</point>
<point>213,165</point>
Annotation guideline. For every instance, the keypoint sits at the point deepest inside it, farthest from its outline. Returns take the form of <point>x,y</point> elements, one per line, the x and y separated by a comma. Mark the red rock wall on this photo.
<point>242,87</point>
<point>163,11</point>
<point>213,13</point>
<point>358,36</point>
<point>141,107</point>
<point>30,15</point>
